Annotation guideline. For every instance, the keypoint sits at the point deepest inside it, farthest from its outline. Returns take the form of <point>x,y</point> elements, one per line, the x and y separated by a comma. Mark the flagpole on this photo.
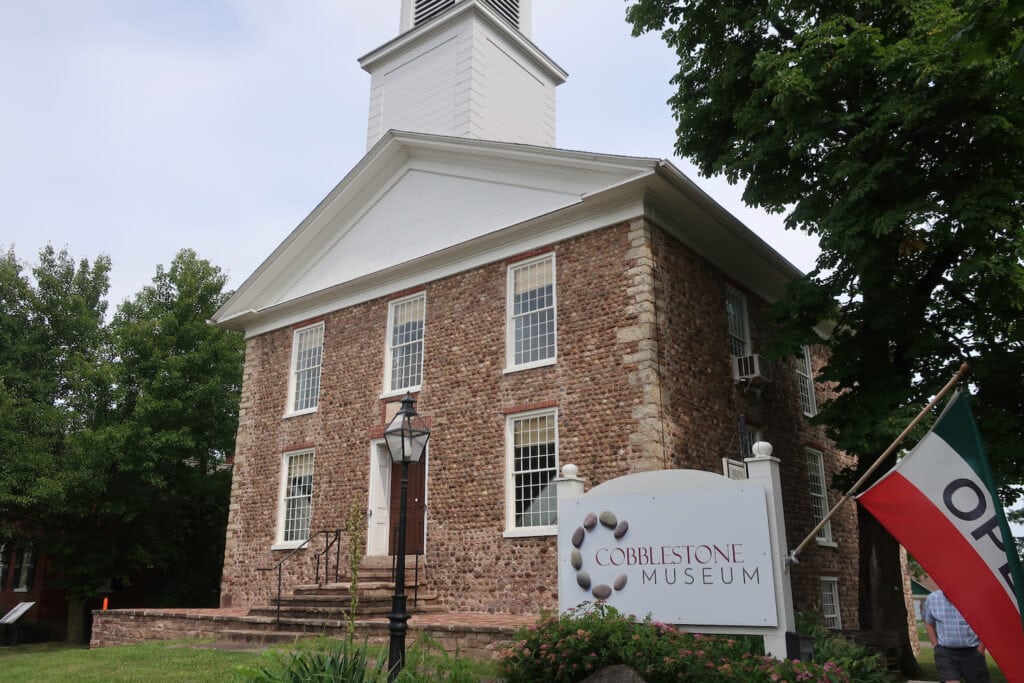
<point>960,374</point>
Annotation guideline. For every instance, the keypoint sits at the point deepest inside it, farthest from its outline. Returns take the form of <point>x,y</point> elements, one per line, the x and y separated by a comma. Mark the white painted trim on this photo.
<point>415,35</point>
<point>530,366</point>
<point>656,189</point>
<point>389,331</point>
<point>741,298</point>
<point>511,530</point>
<point>287,545</point>
<point>805,381</point>
<point>292,370</point>
<point>279,542</point>
<point>378,499</point>
<point>819,466</point>
<point>834,590</point>
<point>529,532</point>
<point>510,342</point>
<point>376,171</point>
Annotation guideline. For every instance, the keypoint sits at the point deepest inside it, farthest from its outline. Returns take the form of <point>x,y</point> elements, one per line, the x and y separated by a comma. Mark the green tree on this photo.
<point>179,385</point>
<point>114,436</point>
<point>870,124</point>
<point>54,365</point>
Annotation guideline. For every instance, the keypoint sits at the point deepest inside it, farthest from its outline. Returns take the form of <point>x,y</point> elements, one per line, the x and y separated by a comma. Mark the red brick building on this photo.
<point>544,306</point>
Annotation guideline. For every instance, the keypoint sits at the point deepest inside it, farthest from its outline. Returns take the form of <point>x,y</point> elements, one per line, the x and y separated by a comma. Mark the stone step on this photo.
<point>339,599</point>
<point>322,612</point>
<point>263,637</point>
<point>310,626</point>
<point>364,588</point>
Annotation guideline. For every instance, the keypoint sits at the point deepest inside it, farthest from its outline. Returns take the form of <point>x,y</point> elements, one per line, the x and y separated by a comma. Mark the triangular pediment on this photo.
<point>415,195</point>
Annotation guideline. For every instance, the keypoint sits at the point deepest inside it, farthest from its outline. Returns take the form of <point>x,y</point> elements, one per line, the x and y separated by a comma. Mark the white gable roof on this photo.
<point>419,207</point>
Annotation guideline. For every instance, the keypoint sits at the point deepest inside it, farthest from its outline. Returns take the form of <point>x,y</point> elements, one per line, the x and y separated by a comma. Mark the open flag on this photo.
<point>940,503</point>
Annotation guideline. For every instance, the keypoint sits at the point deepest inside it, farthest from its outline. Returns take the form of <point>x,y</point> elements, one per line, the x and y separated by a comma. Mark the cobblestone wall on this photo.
<point>642,381</point>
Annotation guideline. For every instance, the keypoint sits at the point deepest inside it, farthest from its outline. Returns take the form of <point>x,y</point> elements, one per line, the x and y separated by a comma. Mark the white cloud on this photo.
<point>136,128</point>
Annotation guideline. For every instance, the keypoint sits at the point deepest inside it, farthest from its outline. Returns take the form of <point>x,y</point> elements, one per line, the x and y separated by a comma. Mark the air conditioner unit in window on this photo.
<point>751,369</point>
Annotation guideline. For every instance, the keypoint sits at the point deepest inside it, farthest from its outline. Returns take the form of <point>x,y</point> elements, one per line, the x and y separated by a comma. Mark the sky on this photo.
<point>135,128</point>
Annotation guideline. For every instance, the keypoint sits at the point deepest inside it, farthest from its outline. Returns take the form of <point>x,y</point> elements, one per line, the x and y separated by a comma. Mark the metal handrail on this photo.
<point>416,568</point>
<point>280,564</point>
<point>331,538</point>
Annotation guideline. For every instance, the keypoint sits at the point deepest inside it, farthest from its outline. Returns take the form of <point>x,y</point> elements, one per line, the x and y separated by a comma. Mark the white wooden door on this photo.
<point>380,500</point>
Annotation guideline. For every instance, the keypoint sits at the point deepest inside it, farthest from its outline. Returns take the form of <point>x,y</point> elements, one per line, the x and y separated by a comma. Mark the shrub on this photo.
<point>323,660</point>
<point>427,660</point>
<point>862,663</point>
<point>329,659</point>
<point>571,646</point>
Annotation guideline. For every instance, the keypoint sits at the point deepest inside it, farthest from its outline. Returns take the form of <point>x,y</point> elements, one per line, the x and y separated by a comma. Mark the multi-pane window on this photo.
<point>532,466</point>
<point>805,382</point>
<point>404,369</point>
<point>830,602</point>
<point>739,329</point>
<point>296,497</point>
<point>24,569</point>
<point>531,312</point>
<point>818,493</point>
<point>307,356</point>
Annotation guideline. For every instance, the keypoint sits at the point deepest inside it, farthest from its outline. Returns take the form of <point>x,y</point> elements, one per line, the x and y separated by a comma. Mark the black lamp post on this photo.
<point>406,438</point>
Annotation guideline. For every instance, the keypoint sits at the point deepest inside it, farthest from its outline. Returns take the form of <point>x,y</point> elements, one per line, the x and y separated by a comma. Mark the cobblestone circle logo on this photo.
<point>607,519</point>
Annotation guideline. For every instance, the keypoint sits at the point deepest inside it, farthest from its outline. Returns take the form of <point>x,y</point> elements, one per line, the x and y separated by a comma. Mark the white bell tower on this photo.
<point>515,12</point>
<point>465,68</point>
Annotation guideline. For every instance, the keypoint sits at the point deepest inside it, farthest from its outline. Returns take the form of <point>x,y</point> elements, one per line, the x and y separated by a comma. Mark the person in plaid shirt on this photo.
<point>958,650</point>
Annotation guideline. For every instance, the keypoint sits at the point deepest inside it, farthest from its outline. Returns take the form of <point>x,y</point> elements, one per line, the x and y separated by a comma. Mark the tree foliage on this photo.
<point>114,436</point>
<point>904,157</point>
<point>179,385</point>
<point>894,132</point>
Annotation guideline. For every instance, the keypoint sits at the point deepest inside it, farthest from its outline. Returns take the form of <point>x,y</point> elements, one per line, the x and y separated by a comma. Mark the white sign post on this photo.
<point>686,547</point>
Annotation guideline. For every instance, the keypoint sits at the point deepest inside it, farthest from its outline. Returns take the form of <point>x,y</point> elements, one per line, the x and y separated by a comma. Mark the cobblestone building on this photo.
<point>543,306</point>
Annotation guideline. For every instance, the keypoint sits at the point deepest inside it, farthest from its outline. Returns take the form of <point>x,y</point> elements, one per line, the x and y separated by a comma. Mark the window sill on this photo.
<point>530,366</point>
<point>19,590</point>
<point>307,411</point>
<point>287,545</point>
<point>401,392</point>
<point>530,532</point>
<point>826,544</point>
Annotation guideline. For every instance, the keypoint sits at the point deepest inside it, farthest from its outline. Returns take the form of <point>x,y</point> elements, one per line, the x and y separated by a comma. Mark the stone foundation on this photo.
<point>474,635</point>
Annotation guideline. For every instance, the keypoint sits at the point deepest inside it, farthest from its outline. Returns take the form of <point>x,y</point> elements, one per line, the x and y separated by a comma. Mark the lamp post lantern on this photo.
<point>406,437</point>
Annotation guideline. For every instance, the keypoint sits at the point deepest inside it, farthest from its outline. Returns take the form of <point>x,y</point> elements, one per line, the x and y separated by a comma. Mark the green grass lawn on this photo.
<point>187,661</point>
<point>163,661</point>
<point>191,660</point>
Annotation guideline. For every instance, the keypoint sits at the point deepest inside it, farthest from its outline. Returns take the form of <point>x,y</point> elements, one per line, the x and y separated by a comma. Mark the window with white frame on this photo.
<point>818,493</point>
<point>830,602</point>
<point>3,566</point>
<point>404,364</point>
<point>739,327</point>
<point>24,570</point>
<point>307,357</point>
<point>531,313</point>
<point>805,382</point>
<point>532,440</point>
<point>296,504</point>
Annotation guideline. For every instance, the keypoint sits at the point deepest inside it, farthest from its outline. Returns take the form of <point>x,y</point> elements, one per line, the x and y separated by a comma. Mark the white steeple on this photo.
<point>464,68</point>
